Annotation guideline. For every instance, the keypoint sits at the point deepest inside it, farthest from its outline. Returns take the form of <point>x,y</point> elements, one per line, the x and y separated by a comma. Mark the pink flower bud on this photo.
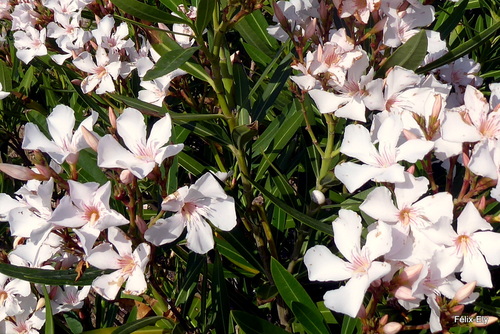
<point>436,108</point>
<point>112,117</point>
<point>392,328</point>
<point>141,224</point>
<point>404,293</point>
<point>89,137</point>
<point>410,274</point>
<point>21,173</point>
<point>281,17</point>
<point>383,320</point>
<point>457,310</point>
<point>464,292</point>
<point>310,29</point>
<point>126,177</point>
<point>483,321</point>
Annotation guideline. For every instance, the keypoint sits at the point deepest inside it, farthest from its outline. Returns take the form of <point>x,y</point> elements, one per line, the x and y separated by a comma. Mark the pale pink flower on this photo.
<point>30,43</point>
<point>101,75</point>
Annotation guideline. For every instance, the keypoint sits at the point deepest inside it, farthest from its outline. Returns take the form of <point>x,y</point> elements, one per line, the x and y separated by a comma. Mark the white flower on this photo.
<point>360,268</point>
<point>113,42</point>
<point>204,200</point>
<point>11,294</point>
<point>142,155</point>
<point>3,95</point>
<point>30,43</point>
<point>102,74</point>
<point>65,144</point>
<point>130,265</point>
<point>69,298</point>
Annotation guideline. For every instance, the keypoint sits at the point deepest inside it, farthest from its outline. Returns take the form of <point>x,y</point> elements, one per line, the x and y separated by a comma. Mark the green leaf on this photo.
<point>169,62</point>
<point>88,169</point>
<point>51,277</point>
<point>242,134</point>
<point>256,54</point>
<point>349,325</point>
<point>237,240</point>
<point>312,325</point>
<point>251,324</point>
<point>135,325</point>
<point>253,29</point>
<point>162,44</point>
<point>194,264</point>
<point>292,292</point>
<point>452,20</point>
<point>220,297</point>
<point>204,15</point>
<point>409,55</point>
<point>146,12</point>
<point>190,164</point>
<point>5,76</point>
<point>461,50</point>
<point>303,218</point>
<point>49,320</point>
<point>227,250</point>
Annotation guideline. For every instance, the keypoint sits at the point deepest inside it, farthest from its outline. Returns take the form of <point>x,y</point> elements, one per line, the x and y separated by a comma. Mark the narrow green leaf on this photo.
<point>242,134</point>
<point>204,15</point>
<point>349,325</point>
<point>28,80</point>
<point>162,44</point>
<point>303,218</point>
<point>49,320</point>
<point>257,55</point>
<point>51,277</point>
<point>220,296</point>
<point>5,76</point>
<point>461,50</point>
<point>227,250</point>
<point>251,324</point>
<point>173,5</point>
<point>312,325</point>
<point>88,169</point>
<point>146,12</point>
<point>238,241</point>
<point>253,30</point>
<point>195,263</point>
<point>136,325</point>
<point>409,55</point>
<point>169,62</point>
<point>453,19</point>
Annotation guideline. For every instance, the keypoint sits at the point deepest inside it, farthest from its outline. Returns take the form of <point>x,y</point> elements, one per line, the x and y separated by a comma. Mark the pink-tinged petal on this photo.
<point>168,151</point>
<point>354,176</point>
<point>67,215</point>
<point>175,201</point>
<point>160,133</point>
<point>441,233</point>
<point>475,269</point>
<point>34,139</point>
<point>120,240</point>
<point>78,140</point>
<point>23,221</point>
<point>132,129</point>
<point>87,235</point>
<point>104,28</point>
<point>353,109</point>
<point>110,154</point>
<point>476,104</point>
<point>347,232</point>
<point>357,143</point>
<point>471,221</point>
<point>375,99</point>
<point>136,283</point>
<point>121,31</point>
<point>103,193</point>
<point>85,63</point>
<point>454,129</point>
<point>165,230</point>
<point>489,244</point>
<point>378,243</point>
<point>349,298</point>
<point>141,169</point>
<point>305,82</point>
<point>410,190</point>
<point>378,205</point>
<point>104,257</point>
<point>222,213</point>
<point>114,69</point>
<point>323,265</point>
<point>82,194</point>
<point>199,237</point>
<point>7,203</point>
<point>108,285</point>
<point>482,163</point>
<point>413,150</point>
<point>436,206</point>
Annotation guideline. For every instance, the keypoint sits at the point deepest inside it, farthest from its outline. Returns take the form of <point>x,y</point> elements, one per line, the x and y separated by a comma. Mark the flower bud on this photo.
<point>90,138</point>
<point>383,320</point>
<point>457,310</point>
<point>126,177</point>
<point>40,304</point>
<point>112,117</point>
<point>318,197</point>
<point>463,292</point>
<point>404,293</point>
<point>485,321</point>
<point>392,328</point>
<point>21,173</point>
<point>409,274</point>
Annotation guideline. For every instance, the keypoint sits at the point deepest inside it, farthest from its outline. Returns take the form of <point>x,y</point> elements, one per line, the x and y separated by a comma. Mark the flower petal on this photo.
<point>349,298</point>
<point>323,265</point>
<point>347,232</point>
<point>165,230</point>
<point>378,205</point>
<point>200,237</point>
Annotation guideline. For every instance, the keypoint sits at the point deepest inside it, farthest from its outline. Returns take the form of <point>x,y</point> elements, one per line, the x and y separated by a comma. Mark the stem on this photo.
<point>428,169</point>
<point>327,157</point>
<point>267,231</point>
<point>309,129</point>
<point>449,176</point>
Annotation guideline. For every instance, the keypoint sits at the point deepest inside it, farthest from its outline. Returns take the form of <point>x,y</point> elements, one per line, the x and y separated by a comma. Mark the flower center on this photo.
<point>464,245</point>
<point>91,215</point>
<point>359,262</point>
<point>127,264</point>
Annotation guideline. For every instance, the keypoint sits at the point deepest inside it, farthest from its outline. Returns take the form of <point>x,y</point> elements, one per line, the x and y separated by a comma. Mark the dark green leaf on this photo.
<point>220,296</point>
<point>204,15</point>
<point>169,62</point>
<point>452,20</point>
<point>461,50</point>
<point>135,325</point>
<point>51,277</point>
<point>256,54</point>
<point>49,320</point>
<point>194,264</point>
<point>253,30</point>
<point>5,76</point>
<point>227,250</point>
<point>409,55</point>
<point>238,241</point>
<point>312,324</point>
<point>88,169</point>
<point>242,134</point>
<point>251,324</point>
<point>303,218</point>
<point>349,325</point>
<point>146,12</point>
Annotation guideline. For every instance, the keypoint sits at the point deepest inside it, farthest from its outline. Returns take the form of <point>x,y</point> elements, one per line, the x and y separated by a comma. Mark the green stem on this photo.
<point>309,129</point>
<point>327,157</point>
